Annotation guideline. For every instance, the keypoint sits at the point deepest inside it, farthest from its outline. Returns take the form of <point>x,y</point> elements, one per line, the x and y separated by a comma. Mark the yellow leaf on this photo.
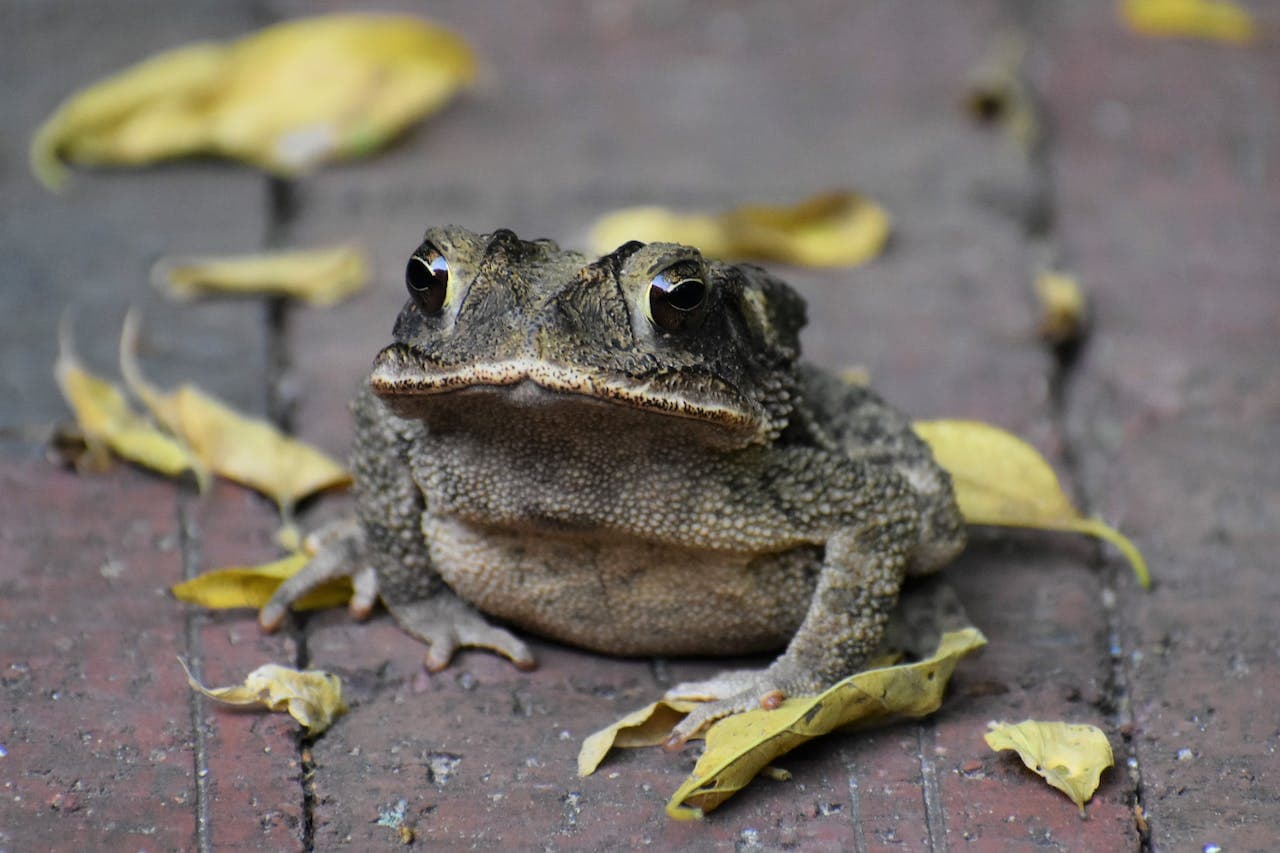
<point>253,586</point>
<point>738,747</point>
<point>1062,306</point>
<point>1212,20</point>
<point>829,230</point>
<point>106,419</point>
<point>137,116</point>
<point>1070,757</point>
<point>659,225</point>
<point>1002,480</point>
<point>249,451</point>
<point>321,276</point>
<point>288,98</point>
<point>997,93</point>
<point>743,745</point>
<point>313,697</point>
<point>649,726</point>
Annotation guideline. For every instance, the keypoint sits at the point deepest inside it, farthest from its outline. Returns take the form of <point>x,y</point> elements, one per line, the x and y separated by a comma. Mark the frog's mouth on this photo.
<point>410,387</point>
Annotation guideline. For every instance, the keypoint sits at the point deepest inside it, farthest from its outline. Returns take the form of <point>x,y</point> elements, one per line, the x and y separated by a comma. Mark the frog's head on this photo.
<point>650,332</point>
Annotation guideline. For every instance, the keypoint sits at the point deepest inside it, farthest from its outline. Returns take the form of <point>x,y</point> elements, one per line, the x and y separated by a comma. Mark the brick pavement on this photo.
<point>1165,429</point>
<point>1165,158</point>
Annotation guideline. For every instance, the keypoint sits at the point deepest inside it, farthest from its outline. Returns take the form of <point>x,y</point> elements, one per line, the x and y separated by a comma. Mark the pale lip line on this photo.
<point>389,379</point>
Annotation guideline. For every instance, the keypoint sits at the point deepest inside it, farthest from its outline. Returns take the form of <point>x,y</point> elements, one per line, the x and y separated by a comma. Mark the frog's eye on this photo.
<point>427,278</point>
<point>677,297</point>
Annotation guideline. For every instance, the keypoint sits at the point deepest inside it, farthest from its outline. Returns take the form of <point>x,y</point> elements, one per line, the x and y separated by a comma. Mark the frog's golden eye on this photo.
<point>427,278</point>
<point>677,298</point>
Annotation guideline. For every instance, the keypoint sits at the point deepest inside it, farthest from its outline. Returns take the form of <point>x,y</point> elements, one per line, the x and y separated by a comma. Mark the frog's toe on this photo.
<point>719,687</point>
<point>446,624</point>
<point>731,693</point>
<point>364,592</point>
<point>721,696</point>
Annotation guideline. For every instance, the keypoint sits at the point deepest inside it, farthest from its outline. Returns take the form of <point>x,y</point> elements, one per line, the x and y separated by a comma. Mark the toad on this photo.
<point>628,455</point>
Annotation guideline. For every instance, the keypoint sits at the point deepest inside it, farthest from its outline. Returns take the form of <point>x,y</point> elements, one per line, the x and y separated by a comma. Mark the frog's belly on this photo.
<point>627,597</point>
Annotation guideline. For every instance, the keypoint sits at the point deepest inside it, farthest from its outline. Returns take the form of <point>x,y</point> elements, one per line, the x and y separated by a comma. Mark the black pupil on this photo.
<point>686,294</point>
<point>428,281</point>
<point>675,300</point>
<point>682,294</point>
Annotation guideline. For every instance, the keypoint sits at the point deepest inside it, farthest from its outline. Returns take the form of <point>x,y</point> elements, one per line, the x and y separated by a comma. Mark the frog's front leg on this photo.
<point>384,551</point>
<point>857,589</point>
<point>426,608</point>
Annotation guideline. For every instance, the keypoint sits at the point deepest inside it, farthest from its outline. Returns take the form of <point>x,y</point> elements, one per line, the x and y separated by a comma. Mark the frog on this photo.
<point>627,453</point>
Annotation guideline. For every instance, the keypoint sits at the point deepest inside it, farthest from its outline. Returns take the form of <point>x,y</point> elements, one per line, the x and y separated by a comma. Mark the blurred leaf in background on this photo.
<point>1211,20</point>
<point>835,229</point>
<point>286,99</point>
<point>321,276</point>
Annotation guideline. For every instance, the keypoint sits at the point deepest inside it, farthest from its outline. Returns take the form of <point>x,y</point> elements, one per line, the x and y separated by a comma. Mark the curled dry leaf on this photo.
<point>830,230</point>
<point>649,726</point>
<point>1212,20</point>
<point>249,451</point>
<point>320,276</point>
<point>1002,480</point>
<point>1070,757</point>
<point>1063,312</point>
<point>252,586</point>
<point>108,421</point>
<point>313,697</point>
<point>286,99</point>
<point>743,745</point>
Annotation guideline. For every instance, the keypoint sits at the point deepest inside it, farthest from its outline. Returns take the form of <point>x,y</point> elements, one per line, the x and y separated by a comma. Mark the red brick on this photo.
<point>1170,217</point>
<point>98,719</point>
<point>1047,660</point>
<point>253,770</point>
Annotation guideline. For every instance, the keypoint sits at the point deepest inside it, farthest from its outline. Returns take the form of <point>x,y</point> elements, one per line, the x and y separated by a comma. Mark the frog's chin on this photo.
<point>522,389</point>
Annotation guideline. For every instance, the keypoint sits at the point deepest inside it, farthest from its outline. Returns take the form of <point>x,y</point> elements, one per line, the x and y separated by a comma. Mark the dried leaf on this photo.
<point>1062,306</point>
<point>1070,757</point>
<point>660,225</point>
<point>829,230</point>
<point>1212,20</point>
<point>741,746</point>
<point>649,726</point>
<point>1002,480</point>
<point>108,421</point>
<point>320,276</point>
<point>250,451</point>
<point>997,93</point>
<point>253,586</point>
<point>143,114</point>
<point>313,697</point>
<point>286,99</point>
